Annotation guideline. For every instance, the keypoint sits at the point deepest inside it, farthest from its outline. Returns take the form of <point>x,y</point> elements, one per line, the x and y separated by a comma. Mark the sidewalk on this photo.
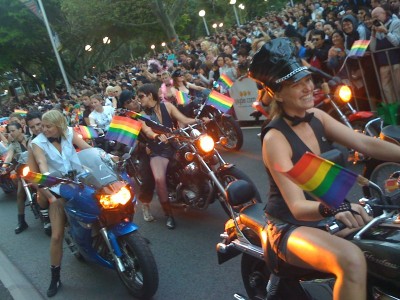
<point>14,284</point>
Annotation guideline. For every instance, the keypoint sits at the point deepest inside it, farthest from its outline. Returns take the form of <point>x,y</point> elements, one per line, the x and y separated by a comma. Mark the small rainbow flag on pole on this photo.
<point>392,185</point>
<point>182,98</point>
<point>325,181</point>
<point>41,179</point>
<point>88,132</point>
<point>21,112</point>
<point>219,101</point>
<point>225,81</point>
<point>124,130</point>
<point>359,48</point>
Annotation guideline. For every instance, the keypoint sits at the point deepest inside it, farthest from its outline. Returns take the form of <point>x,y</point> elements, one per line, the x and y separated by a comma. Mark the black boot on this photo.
<point>168,213</point>
<point>21,224</point>
<point>55,283</point>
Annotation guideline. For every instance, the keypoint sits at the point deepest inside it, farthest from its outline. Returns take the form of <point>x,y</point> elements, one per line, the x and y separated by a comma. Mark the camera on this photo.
<point>377,23</point>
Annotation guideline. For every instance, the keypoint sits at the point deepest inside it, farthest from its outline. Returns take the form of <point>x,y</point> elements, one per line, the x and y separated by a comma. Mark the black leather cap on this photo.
<point>275,63</point>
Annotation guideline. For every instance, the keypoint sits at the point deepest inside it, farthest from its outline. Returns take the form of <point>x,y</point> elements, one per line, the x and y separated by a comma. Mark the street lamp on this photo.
<point>202,13</point>
<point>106,40</point>
<point>153,47</point>
<point>233,2</point>
<point>163,44</point>
<point>221,24</point>
<point>88,48</point>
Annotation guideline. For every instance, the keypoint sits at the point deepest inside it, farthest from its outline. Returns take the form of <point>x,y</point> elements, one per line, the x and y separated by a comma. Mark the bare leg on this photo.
<point>159,166</point>
<point>316,249</point>
<point>57,218</point>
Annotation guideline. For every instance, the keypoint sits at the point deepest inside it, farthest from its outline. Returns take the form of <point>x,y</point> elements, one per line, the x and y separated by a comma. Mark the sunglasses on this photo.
<point>315,40</point>
<point>141,96</point>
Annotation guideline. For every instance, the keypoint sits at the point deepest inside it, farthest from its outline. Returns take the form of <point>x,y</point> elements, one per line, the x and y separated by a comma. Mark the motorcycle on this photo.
<point>245,234</point>
<point>7,184</point>
<point>32,195</point>
<point>100,205</point>
<point>220,125</point>
<point>338,104</point>
<point>197,174</point>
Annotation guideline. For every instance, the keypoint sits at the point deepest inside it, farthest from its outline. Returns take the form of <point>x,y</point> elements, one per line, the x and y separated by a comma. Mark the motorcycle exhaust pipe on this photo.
<point>117,260</point>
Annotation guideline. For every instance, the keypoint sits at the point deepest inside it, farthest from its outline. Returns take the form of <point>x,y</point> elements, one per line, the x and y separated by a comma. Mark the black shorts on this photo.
<point>278,236</point>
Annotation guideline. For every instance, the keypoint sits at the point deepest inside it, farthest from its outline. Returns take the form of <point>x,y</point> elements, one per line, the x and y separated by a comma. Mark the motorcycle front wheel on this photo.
<point>255,276</point>
<point>230,128</point>
<point>141,274</point>
<point>232,174</point>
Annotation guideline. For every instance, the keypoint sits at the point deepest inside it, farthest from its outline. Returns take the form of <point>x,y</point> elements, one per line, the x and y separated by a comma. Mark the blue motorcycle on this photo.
<point>100,205</point>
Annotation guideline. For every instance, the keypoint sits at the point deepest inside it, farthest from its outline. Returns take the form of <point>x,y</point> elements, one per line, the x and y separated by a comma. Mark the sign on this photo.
<point>245,92</point>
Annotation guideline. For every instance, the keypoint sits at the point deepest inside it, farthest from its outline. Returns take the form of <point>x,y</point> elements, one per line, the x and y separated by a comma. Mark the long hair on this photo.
<point>149,88</point>
<point>57,119</point>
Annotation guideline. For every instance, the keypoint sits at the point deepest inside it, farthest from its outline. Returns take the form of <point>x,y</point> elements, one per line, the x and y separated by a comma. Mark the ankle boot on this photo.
<point>168,213</point>
<point>21,224</point>
<point>55,283</point>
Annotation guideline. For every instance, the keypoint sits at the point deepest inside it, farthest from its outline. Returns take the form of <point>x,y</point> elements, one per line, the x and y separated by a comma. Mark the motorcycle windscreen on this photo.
<point>98,167</point>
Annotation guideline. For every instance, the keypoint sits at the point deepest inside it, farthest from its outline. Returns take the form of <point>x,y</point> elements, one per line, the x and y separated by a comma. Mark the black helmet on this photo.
<point>275,63</point>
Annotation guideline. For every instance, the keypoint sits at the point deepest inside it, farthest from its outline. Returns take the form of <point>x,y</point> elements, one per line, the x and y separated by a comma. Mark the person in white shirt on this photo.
<point>53,150</point>
<point>101,116</point>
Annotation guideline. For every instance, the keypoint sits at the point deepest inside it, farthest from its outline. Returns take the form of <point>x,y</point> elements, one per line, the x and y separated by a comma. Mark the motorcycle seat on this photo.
<point>391,134</point>
<point>253,216</point>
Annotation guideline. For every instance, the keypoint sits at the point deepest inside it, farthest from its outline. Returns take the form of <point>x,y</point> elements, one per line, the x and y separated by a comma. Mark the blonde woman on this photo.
<point>53,150</point>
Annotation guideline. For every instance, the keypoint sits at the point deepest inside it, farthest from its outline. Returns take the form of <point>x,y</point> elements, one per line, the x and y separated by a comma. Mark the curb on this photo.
<point>15,281</point>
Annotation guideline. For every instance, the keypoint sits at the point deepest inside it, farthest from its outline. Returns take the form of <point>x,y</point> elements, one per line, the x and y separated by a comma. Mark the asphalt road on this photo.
<point>186,256</point>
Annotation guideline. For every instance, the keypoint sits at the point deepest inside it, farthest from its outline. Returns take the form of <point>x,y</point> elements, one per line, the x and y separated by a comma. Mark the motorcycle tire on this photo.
<point>255,276</point>
<point>232,174</point>
<point>141,273</point>
<point>381,173</point>
<point>8,185</point>
<point>230,128</point>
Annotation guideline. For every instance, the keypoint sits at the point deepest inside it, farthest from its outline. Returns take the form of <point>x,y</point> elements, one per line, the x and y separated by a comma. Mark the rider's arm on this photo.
<point>148,131</point>
<point>79,142</point>
<point>195,87</point>
<point>9,156</point>
<point>376,148</point>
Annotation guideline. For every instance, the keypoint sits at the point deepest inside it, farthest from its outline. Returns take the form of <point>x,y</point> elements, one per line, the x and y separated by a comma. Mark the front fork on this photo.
<point>112,244</point>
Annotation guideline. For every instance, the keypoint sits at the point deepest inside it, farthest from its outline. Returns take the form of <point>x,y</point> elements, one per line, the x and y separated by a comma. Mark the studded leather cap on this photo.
<point>276,63</point>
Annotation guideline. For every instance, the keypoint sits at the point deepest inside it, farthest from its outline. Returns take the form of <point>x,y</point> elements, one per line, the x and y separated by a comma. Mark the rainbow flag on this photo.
<point>359,48</point>
<point>219,101</point>
<point>21,112</point>
<point>88,132</point>
<point>225,81</point>
<point>124,130</point>
<point>182,98</point>
<point>136,116</point>
<point>41,179</point>
<point>325,181</point>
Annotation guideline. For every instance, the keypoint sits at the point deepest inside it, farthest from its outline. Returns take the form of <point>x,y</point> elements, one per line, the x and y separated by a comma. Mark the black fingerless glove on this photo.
<point>325,211</point>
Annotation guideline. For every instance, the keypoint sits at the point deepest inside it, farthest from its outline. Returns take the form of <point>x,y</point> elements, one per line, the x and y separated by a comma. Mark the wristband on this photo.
<point>325,211</point>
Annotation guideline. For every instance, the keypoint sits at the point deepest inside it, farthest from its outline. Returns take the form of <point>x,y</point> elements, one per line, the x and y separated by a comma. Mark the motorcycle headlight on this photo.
<point>23,170</point>
<point>113,195</point>
<point>206,143</point>
<point>344,93</point>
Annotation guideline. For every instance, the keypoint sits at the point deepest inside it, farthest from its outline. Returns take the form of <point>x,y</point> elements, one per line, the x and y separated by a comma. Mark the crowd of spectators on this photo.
<point>323,33</point>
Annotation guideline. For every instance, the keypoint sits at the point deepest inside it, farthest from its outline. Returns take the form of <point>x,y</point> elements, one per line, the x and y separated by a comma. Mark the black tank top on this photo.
<point>276,205</point>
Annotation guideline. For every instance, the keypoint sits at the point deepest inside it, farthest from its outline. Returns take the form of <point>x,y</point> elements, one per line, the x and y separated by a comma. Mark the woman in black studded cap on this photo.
<point>297,127</point>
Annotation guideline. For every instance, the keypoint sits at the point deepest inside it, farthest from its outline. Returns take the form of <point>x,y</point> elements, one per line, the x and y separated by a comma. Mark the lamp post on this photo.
<point>220,25</point>
<point>106,40</point>
<point>241,6</point>
<point>202,13</point>
<point>233,2</point>
<point>215,26</point>
<point>88,48</point>
<point>153,47</point>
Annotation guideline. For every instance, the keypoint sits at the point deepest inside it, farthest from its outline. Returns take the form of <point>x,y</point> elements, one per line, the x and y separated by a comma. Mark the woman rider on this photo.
<point>297,127</point>
<point>166,114</point>
<point>53,150</point>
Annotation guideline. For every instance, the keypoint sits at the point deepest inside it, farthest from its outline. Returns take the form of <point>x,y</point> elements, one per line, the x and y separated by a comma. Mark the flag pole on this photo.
<point>64,75</point>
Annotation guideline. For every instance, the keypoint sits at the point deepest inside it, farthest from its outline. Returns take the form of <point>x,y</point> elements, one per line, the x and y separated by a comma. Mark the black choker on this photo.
<point>55,139</point>
<point>297,120</point>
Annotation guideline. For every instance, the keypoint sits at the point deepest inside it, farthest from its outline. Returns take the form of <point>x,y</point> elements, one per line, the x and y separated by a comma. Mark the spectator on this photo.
<point>386,36</point>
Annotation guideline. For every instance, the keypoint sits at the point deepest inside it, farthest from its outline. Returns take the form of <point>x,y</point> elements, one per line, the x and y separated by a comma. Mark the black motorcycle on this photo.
<point>244,234</point>
<point>220,125</point>
<point>7,184</point>
<point>197,174</point>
